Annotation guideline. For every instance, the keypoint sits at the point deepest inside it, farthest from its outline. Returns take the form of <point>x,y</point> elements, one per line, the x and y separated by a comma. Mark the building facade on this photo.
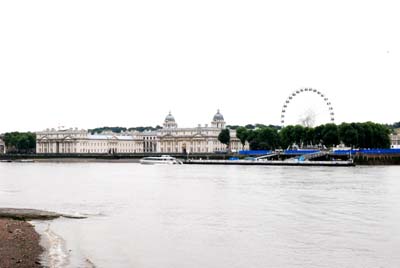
<point>200,139</point>
<point>169,139</point>
<point>395,140</point>
<point>2,147</point>
<point>71,141</point>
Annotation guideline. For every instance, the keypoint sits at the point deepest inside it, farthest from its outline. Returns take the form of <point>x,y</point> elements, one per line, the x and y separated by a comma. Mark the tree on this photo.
<point>112,129</point>
<point>318,134</point>
<point>380,136</point>
<point>348,134</point>
<point>249,126</point>
<point>20,142</point>
<point>232,126</point>
<point>330,135</point>
<point>286,136</point>
<point>225,137</point>
<point>309,134</point>
<point>251,138</point>
<point>265,138</point>
<point>299,134</point>
<point>268,138</point>
<point>260,126</point>
<point>242,134</point>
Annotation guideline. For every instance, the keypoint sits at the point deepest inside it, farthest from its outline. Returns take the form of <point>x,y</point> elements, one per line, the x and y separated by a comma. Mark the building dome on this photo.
<point>169,118</point>
<point>170,121</point>
<point>218,116</point>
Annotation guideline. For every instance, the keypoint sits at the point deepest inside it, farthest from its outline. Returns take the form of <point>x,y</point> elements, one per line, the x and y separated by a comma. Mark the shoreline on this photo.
<point>359,159</point>
<point>19,244</point>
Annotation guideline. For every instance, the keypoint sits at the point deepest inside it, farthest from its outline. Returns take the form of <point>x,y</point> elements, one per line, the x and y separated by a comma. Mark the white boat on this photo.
<point>164,159</point>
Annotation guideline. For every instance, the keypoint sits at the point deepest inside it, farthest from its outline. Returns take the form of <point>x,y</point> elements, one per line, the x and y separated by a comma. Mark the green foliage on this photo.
<point>296,134</point>
<point>225,137</point>
<point>265,138</point>
<point>330,135</point>
<point>147,128</point>
<point>232,126</point>
<point>394,125</point>
<point>309,134</point>
<point>299,134</point>
<point>365,135</point>
<point>242,134</point>
<point>357,135</point>
<point>20,142</point>
<point>102,129</point>
<point>122,129</point>
<point>286,136</point>
<point>348,134</point>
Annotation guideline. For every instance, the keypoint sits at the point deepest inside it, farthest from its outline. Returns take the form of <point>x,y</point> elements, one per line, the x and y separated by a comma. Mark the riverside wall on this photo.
<point>359,159</point>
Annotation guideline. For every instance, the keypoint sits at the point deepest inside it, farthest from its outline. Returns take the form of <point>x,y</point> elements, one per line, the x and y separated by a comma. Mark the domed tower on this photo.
<point>169,121</point>
<point>218,120</point>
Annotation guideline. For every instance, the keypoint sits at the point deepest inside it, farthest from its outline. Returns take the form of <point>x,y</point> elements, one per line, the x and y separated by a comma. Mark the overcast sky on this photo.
<point>94,63</point>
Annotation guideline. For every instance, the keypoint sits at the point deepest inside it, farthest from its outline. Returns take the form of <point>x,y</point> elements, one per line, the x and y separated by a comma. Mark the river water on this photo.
<point>211,216</point>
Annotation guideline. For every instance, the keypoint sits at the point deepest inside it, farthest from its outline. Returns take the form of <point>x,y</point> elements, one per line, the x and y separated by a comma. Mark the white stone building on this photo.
<point>169,139</point>
<point>395,140</point>
<point>2,147</point>
<point>201,139</point>
<point>66,141</point>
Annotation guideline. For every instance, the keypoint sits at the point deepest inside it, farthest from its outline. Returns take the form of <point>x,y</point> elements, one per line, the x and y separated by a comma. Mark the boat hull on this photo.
<point>154,162</point>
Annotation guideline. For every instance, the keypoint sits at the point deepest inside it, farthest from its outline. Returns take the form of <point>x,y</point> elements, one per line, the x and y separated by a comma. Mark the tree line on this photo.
<point>123,129</point>
<point>355,135</point>
<point>20,142</point>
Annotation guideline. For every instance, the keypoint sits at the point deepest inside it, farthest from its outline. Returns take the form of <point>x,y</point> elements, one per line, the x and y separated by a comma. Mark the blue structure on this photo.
<point>255,152</point>
<point>300,152</point>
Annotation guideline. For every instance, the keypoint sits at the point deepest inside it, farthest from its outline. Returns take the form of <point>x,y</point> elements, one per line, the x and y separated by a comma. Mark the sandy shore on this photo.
<point>19,244</point>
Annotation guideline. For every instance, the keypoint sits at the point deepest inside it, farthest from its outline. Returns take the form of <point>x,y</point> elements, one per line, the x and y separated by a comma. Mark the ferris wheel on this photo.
<point>309,117</point>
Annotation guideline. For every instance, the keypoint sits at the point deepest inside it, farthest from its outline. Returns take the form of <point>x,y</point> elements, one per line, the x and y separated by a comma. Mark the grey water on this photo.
<point>213,216</point>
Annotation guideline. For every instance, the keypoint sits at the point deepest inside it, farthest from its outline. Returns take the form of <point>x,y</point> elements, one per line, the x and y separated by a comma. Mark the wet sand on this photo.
<point>19,244</point>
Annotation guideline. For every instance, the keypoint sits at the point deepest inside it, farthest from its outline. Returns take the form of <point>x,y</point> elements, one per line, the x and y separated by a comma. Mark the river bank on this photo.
<point>377,160</point>
<point>19,244</point>
<point>359,159</point>
<point>19,241</point>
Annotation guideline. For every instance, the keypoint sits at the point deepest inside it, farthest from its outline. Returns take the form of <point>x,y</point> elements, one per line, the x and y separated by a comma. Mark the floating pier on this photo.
<point>348,163</point>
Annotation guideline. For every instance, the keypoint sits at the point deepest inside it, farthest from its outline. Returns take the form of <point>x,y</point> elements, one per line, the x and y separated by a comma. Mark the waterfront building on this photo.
<point>395,139</point>
<point>2,147</point>
<point>71,141</point>
<point>200,139</point>
<point>169,139</point>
